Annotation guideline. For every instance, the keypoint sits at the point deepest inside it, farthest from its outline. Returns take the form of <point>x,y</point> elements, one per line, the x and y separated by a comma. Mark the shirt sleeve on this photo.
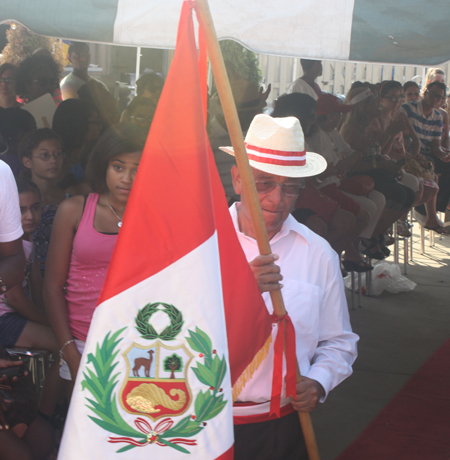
<point>10,218</point>
<point>406,109</point>
<point>336,350</point>
<point>68,90</point>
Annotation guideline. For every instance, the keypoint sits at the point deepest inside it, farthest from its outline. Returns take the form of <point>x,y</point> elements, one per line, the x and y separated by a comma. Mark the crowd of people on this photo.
<point>386,149</point>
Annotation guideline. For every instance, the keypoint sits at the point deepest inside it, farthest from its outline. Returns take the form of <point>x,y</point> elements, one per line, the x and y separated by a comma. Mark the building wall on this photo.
<point>337,76</point>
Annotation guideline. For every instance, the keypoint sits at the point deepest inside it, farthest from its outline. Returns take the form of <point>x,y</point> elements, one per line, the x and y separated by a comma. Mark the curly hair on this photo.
<point>28,66</point>
<point>32,140</point>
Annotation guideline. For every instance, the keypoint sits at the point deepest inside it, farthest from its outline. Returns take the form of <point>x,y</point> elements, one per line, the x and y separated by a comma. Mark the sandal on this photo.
<point>371,249</point>
<point>439,229</point>
<point>404,228</point>
<point>359,267</point>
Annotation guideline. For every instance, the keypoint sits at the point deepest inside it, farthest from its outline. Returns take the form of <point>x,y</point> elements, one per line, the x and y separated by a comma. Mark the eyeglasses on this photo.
<point>7,80</point>
<point>416,94</point>
<point>42,81</point>
<point>435,95</point>
<point>141,119</point>
<point>47,156</point>
<point>395,99</point>
<point>266,186</point>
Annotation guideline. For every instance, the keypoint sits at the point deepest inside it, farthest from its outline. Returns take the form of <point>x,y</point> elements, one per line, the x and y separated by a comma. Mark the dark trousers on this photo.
<point>279,439</point>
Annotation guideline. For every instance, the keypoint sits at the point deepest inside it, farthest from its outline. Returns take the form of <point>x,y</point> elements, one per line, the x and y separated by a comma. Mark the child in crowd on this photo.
<point>84,235</point>
<point>23,322</point>
<point>40,151</point>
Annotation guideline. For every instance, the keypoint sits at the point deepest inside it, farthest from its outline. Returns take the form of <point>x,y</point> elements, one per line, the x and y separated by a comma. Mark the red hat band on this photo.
<point>276,157</point>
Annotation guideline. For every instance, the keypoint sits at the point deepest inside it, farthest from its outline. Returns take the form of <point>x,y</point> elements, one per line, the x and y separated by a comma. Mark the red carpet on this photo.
<point>415,425</point>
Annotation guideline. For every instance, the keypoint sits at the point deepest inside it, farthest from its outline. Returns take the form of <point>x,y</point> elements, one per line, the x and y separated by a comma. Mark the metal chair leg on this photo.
<point>360,290</point>
<point>353,290</point>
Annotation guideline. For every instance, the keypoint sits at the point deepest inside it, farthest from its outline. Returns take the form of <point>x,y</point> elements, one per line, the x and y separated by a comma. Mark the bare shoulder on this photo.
<point>70,210</point>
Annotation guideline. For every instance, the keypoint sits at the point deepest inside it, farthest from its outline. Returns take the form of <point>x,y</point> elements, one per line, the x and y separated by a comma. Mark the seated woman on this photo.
<point>341,157</point>
<point>344,221</point>
<point>357,131</point>
<point>425,188</point>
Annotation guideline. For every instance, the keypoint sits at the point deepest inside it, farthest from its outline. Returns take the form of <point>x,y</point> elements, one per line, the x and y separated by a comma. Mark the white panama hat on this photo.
<point>277,146</point>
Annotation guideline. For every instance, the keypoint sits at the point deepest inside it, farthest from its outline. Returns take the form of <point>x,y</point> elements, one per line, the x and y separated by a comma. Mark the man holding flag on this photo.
<point>312,289</point>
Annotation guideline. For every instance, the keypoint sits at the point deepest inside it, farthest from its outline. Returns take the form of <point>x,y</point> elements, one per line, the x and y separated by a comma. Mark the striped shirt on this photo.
<point>427,128</point>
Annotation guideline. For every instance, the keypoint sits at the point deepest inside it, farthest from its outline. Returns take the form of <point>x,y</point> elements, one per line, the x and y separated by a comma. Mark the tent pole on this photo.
<point>138,67</point>
<point>248,183</point>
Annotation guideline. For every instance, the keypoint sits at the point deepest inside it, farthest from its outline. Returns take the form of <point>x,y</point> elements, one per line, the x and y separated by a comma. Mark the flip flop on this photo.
<point>439,229</point>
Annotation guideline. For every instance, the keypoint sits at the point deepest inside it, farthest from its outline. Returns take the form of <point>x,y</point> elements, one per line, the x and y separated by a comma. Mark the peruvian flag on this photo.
<point>180,319</point>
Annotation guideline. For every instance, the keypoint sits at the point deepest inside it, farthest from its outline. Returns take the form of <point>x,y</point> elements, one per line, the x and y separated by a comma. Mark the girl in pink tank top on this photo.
<point>84,234</point>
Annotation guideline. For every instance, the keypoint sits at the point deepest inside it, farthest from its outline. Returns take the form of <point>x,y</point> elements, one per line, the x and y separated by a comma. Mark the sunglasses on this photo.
<point>266,186</point>
<point>395,99</point>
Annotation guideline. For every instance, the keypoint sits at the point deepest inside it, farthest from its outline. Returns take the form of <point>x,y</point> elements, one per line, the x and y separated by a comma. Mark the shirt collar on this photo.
<point>289,225</point>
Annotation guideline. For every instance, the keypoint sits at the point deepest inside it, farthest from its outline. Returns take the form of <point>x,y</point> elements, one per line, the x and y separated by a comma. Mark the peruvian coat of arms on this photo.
<point>155,387</point>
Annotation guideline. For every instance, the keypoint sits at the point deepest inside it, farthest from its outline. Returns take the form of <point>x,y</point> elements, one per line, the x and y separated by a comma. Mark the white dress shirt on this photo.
<point>313,293</point>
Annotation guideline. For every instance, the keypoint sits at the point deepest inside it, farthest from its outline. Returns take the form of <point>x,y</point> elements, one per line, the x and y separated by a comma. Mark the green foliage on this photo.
<point>173,364</point>
<point>148,332</point>
<point>210,402</point>
<point>100,383</point>
<point>22,43</point>
<point>241,62</point>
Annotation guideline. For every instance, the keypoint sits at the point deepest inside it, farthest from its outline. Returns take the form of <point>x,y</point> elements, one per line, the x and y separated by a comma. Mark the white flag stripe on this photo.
<point>193,286</point>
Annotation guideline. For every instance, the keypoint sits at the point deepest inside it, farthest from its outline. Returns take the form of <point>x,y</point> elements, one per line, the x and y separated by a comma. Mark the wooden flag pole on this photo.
<point>248,182</point>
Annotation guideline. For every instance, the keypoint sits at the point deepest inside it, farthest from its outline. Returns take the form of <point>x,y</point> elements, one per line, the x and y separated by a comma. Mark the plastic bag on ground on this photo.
<point>385,276</point>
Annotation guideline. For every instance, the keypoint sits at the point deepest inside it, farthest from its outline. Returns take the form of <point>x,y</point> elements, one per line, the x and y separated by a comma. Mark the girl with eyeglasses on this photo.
<point>8,74</point>
<point>41,154</point>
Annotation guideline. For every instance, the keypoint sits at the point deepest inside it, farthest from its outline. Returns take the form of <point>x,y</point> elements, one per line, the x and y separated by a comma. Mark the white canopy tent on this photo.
<point>405,32</point>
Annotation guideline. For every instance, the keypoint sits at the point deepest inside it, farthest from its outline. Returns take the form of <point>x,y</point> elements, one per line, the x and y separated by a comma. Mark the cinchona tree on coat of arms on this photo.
<point>155,386</point>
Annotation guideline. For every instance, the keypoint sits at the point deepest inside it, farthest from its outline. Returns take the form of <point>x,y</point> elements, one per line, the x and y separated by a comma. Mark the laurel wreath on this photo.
<point>100,382</point>
<point>148,332</point>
